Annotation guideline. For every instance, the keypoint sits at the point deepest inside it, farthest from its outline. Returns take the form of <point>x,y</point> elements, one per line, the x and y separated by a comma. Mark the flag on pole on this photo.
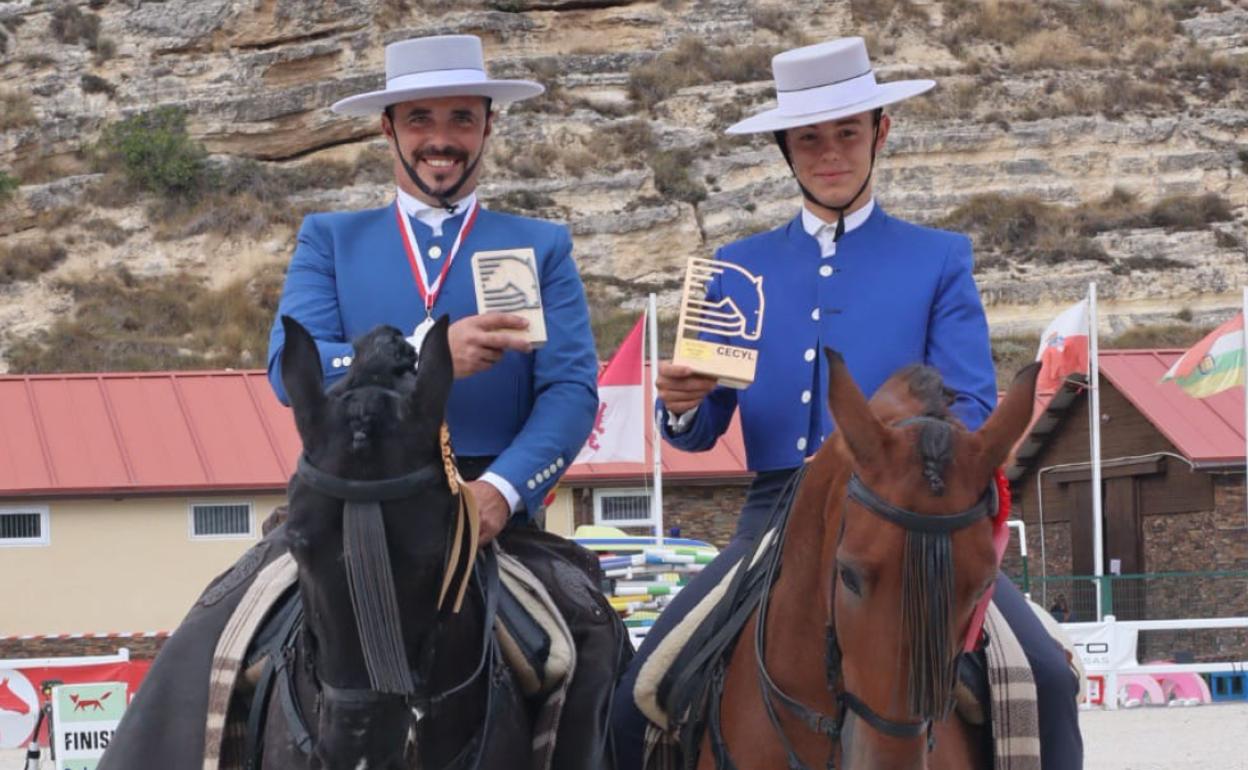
<point>1063,347</point>
<point>1213,364</point>
<point>619,430</point>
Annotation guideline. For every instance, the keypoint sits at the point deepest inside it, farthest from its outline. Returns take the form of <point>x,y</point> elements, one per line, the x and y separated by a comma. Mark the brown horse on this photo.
<point>850,659</point>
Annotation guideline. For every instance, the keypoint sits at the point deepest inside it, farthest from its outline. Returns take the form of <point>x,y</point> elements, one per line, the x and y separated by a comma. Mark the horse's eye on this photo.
<point>850,580</point>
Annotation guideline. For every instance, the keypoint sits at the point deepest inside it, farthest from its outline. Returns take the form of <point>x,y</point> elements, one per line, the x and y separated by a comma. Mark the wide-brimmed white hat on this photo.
<point>429,67</point>
<point>826,81</point>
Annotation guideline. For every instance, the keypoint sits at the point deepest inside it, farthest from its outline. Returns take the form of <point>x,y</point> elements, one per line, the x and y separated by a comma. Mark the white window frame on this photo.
<point>604,492</point>
<point>45,523</point>
<point>251,520</point>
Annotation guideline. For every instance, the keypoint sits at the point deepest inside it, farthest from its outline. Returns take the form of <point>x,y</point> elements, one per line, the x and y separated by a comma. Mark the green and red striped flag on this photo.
<point>1213,364</point>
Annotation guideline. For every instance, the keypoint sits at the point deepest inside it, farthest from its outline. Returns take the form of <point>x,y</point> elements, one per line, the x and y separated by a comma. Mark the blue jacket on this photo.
<point>893,294</point>
<point>533,411</point>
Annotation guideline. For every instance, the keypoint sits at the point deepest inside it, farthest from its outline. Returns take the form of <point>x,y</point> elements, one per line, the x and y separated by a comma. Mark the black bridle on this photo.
<point>375,605</point>
<point>859,492</point>
<point>814,719</point>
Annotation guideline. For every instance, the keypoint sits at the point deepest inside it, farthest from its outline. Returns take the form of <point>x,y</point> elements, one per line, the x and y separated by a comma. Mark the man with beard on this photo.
<point>517,416</point>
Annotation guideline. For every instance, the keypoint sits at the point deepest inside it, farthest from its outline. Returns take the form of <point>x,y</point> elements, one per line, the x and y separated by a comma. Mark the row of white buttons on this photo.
<point>342,361</point>
<point>543,475</point>
<point>825,271</point>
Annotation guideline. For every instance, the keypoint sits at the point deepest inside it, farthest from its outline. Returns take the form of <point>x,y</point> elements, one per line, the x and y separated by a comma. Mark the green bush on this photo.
<point>8,186</point>
<point>156,155</point>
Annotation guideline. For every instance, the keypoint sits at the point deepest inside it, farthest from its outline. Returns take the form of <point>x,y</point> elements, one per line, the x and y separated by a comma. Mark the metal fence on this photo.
<point>1147,596</point>
<point>1155,596</point>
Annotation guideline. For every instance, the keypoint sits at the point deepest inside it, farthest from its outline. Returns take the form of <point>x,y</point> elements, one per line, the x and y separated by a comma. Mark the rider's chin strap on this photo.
<point>462,551</point>
<point>445,199</point>
<point>783,142</point>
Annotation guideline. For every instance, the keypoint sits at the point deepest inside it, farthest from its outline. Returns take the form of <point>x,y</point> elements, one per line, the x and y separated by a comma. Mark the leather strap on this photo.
<point>376,490</point>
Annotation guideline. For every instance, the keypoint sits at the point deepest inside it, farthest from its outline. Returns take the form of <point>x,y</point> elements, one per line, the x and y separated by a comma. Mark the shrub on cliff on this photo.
<point>156,154</point>
<point>671,176</point>
<point>25,261</point>
<point>8,186</point>
<point>122,322</point>
<point>692,62</point>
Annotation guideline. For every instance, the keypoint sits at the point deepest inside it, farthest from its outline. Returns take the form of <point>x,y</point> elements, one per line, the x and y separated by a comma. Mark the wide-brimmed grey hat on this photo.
<point>429,67</point>
<point>823,82</point>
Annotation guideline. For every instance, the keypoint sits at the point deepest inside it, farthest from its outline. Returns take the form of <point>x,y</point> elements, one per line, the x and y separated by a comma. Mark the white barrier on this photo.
<point>1108,649</point>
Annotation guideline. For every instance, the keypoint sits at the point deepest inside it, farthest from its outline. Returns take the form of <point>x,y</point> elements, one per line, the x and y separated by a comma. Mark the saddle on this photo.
<point>532,637</point>
<point>678,688</point>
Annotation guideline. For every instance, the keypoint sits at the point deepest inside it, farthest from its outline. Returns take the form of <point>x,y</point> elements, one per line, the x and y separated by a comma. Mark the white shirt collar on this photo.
<point>813,224</point>
<point>434,216</point>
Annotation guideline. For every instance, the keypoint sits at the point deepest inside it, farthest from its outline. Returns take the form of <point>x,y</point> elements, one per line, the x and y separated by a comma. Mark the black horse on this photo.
<point>377,522</point>
<point>377,435</point>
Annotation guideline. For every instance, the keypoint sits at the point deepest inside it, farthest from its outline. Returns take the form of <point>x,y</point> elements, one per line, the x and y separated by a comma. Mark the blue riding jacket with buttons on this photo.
<point>533,412</point>
<point>893,294</point>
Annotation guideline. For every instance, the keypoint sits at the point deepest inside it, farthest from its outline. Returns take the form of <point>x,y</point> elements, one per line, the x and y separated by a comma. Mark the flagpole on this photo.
<point>1244,374</point>
<point>656,442</point>
<point>1094,429</point>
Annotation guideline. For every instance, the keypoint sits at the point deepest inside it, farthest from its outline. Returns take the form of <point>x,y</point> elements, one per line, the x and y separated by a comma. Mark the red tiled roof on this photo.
<point>1208,431</point>
<point>74,434</point>
<point>165,432</point>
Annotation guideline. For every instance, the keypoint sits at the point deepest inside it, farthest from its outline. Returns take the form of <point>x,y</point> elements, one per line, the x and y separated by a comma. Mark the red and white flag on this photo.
<point>1063,347</point>
<point>619,431</point>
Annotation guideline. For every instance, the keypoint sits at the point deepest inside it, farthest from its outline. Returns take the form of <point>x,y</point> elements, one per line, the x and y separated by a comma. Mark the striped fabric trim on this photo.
<point>1015,717</point>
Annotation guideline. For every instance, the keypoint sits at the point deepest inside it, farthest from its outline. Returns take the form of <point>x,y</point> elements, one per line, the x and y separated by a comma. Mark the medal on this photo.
<point>417,339</point>
<point>429,291</point>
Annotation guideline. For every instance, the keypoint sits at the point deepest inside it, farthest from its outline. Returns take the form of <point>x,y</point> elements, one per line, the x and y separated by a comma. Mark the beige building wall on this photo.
<point>116,565</point>
<point>559,514</point>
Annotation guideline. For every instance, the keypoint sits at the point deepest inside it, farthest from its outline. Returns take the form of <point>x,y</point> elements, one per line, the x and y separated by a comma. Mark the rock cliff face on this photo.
<point>627,145</point>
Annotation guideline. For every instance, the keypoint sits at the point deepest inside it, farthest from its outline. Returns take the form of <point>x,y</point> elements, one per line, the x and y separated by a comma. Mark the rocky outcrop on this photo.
<point>257,76</point>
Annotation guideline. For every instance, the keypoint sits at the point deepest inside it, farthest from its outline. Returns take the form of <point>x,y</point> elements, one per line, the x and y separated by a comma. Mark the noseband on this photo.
<point>813,719</point>
<point>923,524</point>
<point>370,580</point>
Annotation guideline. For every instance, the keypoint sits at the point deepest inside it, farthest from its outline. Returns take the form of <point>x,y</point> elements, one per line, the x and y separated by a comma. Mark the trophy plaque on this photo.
<point>708,328</point>
<point>506,282</point>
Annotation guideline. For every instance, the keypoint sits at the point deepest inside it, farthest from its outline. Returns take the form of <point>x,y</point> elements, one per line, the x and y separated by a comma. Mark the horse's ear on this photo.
<point>1004,426</point>
<point>862,430</point>
<point>301,369</point>
<point>435,371</point>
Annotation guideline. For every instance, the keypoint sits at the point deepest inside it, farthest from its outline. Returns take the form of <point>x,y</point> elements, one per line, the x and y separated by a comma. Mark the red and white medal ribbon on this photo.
<point>429,291</point>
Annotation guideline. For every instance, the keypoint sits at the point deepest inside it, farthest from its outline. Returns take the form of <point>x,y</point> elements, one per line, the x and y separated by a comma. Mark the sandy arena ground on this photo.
<point>1194,738</point>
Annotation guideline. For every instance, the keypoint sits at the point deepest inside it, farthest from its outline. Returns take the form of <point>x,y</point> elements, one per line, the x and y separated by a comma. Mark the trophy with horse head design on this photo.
<point>721,306</point>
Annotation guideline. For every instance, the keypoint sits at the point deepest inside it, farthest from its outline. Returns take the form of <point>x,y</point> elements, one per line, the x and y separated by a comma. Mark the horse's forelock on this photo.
<point>925,384</point>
